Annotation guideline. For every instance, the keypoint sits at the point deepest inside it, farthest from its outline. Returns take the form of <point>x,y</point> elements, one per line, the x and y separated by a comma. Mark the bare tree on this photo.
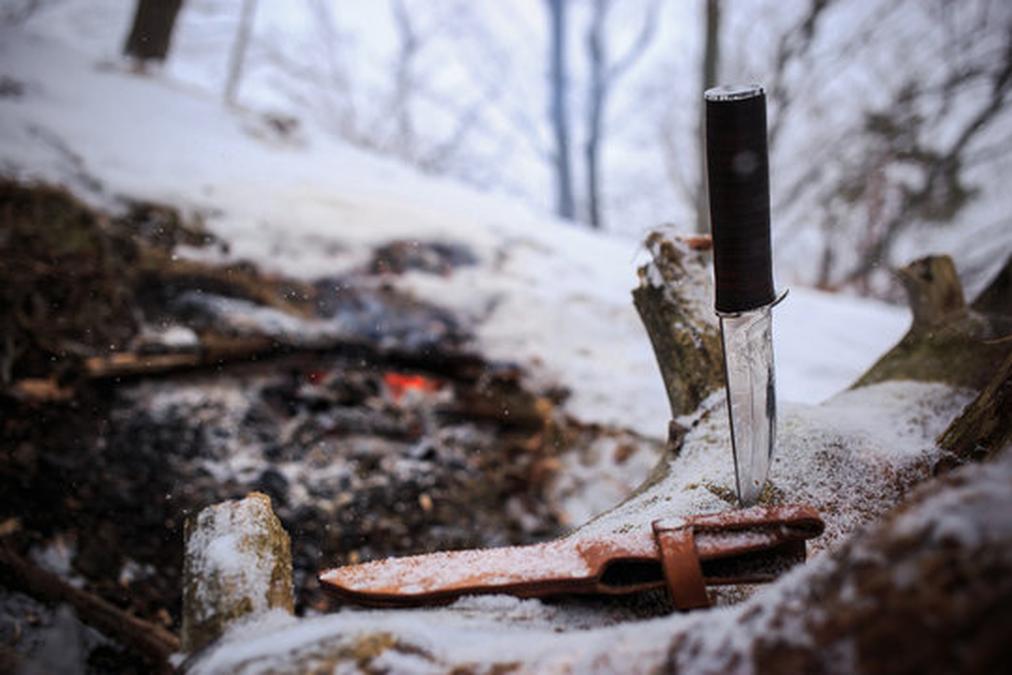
<point>558,87</point>
<point>16,12</point>
<point>604,75</point>
<point>409,44</point>
<point>940,190</point>
<point>708,78</point>
<point>151,31</point>
<point>239,48</point>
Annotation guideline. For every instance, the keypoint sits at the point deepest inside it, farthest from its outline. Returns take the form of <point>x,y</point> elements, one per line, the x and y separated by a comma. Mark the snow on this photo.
<point>548,294</point>
<point>863,444</point>
<point>596,479</point>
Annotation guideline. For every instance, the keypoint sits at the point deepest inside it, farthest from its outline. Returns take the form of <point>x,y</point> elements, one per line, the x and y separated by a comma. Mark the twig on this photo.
<point>148,639</point>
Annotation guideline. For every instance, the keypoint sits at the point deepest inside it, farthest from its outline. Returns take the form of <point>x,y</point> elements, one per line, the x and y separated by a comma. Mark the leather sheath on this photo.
<point>684,554</point>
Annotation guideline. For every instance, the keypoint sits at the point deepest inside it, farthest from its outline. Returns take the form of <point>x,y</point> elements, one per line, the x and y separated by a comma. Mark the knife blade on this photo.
<point>737,164</point>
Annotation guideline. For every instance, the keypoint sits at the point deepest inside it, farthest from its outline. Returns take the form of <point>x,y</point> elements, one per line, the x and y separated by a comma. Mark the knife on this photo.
<point>737,164</point>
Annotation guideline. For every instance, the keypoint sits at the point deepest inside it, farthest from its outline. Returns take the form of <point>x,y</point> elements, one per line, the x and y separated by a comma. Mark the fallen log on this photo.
<point>218,351</point>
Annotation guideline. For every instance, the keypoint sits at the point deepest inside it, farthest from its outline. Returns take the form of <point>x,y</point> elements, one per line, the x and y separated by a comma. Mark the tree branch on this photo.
<point>148,639</point>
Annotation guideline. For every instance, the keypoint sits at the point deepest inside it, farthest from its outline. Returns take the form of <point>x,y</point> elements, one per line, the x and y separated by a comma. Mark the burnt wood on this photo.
<point>737,162</point>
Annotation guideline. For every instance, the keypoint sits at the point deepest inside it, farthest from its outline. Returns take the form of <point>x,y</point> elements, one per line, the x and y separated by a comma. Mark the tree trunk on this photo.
<point>558,115</point>
<point>239,48</point>
<point>595,106</point>
<point>151,32</point>
<point>408,44</point>
<point>711,61</point>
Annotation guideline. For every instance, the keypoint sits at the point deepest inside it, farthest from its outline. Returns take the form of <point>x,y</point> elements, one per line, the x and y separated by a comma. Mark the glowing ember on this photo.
<point>399,384</point>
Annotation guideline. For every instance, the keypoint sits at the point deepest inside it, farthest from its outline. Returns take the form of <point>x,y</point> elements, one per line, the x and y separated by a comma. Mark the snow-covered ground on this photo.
<point>548,294</point>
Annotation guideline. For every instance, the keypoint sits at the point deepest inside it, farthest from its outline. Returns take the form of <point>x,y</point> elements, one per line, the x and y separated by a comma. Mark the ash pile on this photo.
<point>140,386</point>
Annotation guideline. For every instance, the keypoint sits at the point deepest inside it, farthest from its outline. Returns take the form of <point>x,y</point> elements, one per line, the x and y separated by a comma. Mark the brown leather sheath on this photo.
<point>685,554</point>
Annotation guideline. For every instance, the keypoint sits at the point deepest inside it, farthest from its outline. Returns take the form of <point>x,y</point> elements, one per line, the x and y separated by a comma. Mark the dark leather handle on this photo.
<point>737,163</point>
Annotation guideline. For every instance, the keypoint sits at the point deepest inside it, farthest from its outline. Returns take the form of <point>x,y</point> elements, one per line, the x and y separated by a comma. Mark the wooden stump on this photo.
<point>675,303</point>
<point>947,341</point>
<point>238,563</point>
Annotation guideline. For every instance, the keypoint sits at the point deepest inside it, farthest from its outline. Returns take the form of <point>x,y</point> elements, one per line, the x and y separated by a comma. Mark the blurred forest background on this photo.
<point>889,123</point>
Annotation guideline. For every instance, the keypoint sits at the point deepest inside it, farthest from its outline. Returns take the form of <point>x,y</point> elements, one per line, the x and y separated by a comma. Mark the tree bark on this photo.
<point>558,87</point>
<point>682,329</point>
<point>927,590</point>
<point>985,426</point>
<point>151,33</point>
<point>997,297</point>
<point>238,564</point>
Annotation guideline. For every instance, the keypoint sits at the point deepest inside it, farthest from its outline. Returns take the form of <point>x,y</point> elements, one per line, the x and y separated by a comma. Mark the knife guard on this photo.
<point>737,162</point>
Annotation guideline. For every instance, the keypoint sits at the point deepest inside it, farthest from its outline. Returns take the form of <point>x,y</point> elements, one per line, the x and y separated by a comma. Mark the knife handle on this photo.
<point>737,166</point>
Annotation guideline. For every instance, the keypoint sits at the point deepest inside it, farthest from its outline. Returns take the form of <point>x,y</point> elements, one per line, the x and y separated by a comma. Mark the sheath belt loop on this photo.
<point>676,542</point>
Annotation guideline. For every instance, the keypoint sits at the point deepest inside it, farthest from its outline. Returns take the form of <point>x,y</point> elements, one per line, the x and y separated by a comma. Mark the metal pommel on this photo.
<point>733,92</point>
<point>737,164</point>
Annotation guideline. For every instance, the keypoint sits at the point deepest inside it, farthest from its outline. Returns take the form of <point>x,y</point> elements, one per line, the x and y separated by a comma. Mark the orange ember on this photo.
<point>398,384</point>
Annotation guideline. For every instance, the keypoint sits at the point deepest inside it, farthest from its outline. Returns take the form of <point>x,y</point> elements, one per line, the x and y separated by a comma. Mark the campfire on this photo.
<point>360,411</point>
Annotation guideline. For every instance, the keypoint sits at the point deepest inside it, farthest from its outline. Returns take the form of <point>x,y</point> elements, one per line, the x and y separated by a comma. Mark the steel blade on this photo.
<point>751,397</point>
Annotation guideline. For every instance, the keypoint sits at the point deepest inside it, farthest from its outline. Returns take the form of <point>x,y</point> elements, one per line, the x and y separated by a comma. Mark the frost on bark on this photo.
<point>238,563</point>
<point>927,589</point>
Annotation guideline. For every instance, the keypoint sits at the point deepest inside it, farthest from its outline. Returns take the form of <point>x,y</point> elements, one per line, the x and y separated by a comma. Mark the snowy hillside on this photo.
<point>551,295</point>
